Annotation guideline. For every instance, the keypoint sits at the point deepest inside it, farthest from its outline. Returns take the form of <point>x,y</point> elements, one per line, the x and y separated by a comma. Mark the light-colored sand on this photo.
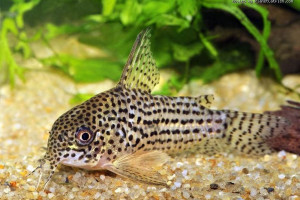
<point>27,113</point>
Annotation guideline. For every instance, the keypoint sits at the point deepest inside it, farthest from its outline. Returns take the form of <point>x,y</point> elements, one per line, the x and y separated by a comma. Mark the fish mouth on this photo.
<point>75,163</point>
<point>84,165</point>
<point>92,165</point>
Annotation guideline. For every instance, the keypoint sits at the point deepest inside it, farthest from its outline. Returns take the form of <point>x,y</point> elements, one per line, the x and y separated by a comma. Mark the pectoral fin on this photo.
<point>140,166</point>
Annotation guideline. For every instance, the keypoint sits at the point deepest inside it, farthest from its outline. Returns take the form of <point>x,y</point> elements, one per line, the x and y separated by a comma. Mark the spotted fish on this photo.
<point>130,132</point>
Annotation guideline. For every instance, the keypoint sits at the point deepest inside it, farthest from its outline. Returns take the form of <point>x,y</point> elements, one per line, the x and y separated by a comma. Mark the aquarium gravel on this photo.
<point>28,111</point>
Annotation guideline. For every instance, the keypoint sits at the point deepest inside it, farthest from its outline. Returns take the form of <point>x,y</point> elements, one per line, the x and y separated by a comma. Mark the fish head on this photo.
<point>77,137</point>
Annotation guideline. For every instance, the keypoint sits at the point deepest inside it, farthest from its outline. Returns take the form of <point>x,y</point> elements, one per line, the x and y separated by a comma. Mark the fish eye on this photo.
<point>84,136</point>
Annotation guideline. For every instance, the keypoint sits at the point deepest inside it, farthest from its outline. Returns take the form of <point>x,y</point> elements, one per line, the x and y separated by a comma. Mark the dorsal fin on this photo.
<point>140,71</point>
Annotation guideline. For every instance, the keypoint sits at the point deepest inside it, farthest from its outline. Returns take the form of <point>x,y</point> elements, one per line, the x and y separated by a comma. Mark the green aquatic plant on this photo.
<point>183,40</point>
<point>187,14</point>
<point>180,38</point>
<point>13,24</point>
<point>262,39</point>
<point>99,69</point>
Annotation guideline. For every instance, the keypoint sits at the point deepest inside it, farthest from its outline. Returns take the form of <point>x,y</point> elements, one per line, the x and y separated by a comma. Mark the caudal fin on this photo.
<point>291,140</point>
<point>248,133</point>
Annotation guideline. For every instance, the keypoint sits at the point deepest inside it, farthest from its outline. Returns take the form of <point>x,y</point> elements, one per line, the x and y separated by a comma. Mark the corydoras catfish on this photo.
<point>130,132</point>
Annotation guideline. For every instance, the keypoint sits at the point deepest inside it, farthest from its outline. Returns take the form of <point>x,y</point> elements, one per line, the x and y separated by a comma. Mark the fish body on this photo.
<point>129,131</point>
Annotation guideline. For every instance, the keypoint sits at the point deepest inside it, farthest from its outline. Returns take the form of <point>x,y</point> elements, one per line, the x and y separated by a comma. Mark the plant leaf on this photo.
<point>86,70</point>
<point>108,7</point>
<point>155,7</point>
<point>235,11</point>
<point>80,97</point>
<point>184,53</point>
<point>187,9</point>
<point>130,12</point>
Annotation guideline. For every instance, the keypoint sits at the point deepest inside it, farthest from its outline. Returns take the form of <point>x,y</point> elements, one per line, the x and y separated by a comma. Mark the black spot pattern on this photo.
<point>128,118</point>
<point>166,123</point>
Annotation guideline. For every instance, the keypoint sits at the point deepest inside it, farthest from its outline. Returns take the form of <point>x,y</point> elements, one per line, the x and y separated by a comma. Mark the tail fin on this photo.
<point>248,133</point>
<point>291,140</point>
